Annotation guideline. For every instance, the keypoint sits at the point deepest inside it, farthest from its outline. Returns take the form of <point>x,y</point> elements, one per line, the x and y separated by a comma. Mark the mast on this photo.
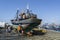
<point>17,14</point>
<point>27,8</point>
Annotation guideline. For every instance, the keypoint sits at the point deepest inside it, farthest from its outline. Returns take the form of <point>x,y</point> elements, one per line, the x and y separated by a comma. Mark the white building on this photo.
<point>2,24</point>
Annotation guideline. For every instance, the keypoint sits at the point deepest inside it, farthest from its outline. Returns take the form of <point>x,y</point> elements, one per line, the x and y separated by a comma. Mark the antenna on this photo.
<point>27,6</point>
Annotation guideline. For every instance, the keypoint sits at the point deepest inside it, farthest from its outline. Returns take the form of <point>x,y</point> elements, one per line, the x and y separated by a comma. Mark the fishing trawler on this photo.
<point>27,20</point>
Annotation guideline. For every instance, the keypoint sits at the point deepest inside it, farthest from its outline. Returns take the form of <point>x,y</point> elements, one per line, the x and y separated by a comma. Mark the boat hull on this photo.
<point>27,21</point>
<point>28,24</point>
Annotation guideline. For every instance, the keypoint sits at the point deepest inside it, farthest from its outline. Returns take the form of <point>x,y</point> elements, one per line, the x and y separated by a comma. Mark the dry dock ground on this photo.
<point>50,35</point>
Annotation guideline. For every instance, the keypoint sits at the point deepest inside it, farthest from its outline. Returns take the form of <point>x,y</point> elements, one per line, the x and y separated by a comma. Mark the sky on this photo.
<point>47,10</point>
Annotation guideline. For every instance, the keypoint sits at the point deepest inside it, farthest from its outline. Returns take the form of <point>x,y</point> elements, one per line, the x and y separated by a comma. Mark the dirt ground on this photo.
<point>50,35</point>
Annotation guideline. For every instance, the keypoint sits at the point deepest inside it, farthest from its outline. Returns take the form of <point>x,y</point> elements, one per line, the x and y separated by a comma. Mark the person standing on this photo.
<point>9,30</point>
<point>19,29</point>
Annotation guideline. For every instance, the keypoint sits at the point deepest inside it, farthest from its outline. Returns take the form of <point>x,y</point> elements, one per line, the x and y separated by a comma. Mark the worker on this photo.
<point>24,16</point>
<point>19,29</point>
<point>9,30</point>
